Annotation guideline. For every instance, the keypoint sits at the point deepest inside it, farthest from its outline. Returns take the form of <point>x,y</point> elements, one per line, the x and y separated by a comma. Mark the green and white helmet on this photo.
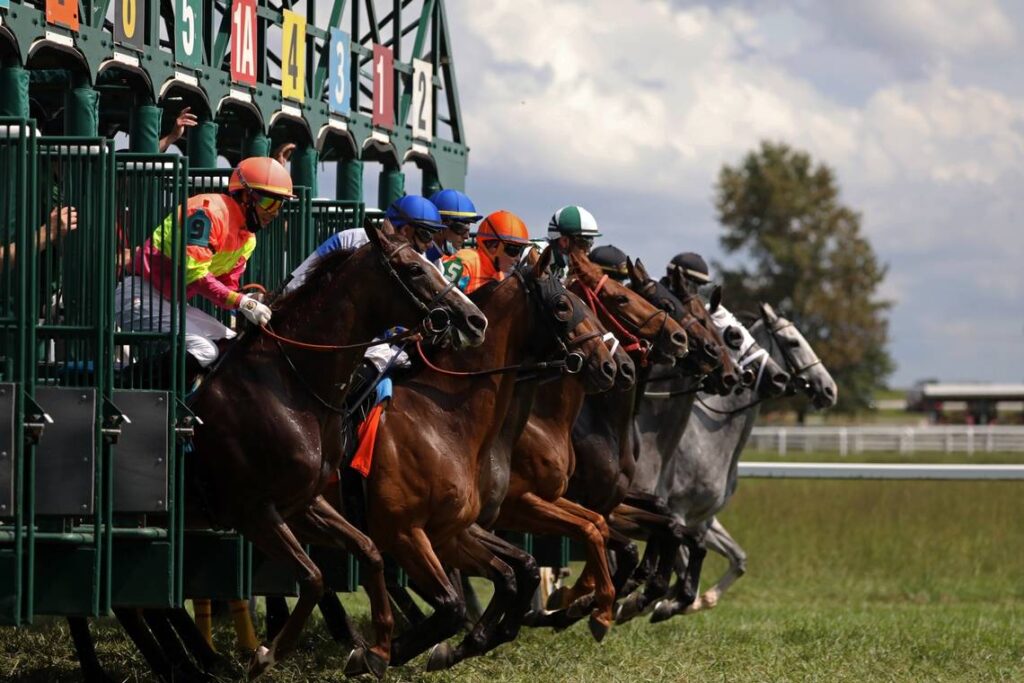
<point>572,221</point>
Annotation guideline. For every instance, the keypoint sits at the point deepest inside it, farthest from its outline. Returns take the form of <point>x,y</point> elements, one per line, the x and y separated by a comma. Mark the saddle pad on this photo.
<point>367,433</point>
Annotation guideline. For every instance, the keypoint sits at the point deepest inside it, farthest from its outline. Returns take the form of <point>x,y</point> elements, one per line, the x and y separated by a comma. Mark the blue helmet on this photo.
<point>412,209</point>
<point>455,206</point>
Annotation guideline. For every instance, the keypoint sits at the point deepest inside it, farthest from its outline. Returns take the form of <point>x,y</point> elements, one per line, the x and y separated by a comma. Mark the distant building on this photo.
<point>980,403</point>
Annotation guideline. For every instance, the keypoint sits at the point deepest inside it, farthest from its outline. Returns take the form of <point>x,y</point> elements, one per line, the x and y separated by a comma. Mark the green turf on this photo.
<point>847,581</point>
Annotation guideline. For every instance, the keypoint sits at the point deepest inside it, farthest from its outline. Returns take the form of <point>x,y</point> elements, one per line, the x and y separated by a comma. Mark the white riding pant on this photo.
<point>139,307</point>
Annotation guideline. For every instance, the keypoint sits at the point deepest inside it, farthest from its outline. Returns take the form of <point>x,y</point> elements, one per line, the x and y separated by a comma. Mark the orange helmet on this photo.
<point>504,226</point>
<point>263,175</point>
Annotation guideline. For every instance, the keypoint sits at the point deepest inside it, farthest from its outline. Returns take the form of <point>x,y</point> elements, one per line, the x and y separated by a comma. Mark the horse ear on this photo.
<point>373,233</point>
<point>768,313</point>
<point>641,272</point>
<point>543,263</point>
<point>387,228</point>
<point>716,298</point>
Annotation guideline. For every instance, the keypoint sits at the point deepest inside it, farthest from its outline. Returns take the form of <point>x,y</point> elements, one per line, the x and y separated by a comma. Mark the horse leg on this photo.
<point>527,575</point>
<point>277,614</point>
<point>665,535</point>
<point>195,640</point>
<point>473,608</point>
<point>322,524</point>
<point>338,623</point>
<point>407,607</point>
<point>471,556</point>
<point>177,654</point>
<point>431,581</point>
<point>719,540</point>
<point>85,649</point>
<point>268,532</point>
<point>685,590</point>
<point>132,623</point>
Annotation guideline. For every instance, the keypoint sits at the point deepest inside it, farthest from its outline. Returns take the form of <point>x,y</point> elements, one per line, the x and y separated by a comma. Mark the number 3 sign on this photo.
<point>340,66</point>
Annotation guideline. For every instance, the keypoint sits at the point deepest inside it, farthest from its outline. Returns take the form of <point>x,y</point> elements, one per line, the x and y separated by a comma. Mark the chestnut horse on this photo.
<point>543,458</point>
<point>606,448</point>
<point>423,492</point>
<point>262,469</point>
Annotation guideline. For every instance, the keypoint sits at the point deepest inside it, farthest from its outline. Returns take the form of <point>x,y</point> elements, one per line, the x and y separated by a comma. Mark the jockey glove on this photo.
<point>255,312</point>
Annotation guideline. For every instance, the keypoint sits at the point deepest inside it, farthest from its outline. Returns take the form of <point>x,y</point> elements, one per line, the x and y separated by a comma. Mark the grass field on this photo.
<point>847,581</point>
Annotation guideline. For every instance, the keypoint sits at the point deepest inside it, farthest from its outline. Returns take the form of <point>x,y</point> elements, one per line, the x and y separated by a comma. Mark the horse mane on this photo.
<point>321,271</point>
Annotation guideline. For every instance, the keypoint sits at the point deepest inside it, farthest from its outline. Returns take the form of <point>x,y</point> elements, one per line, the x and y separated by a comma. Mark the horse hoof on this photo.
<point>262,659</point>
<point>533,618</point>
<point>663,611</point>
<point>710,599</point>
<point>441,656</point>
<point>558,599</point>
<point>579,609</point>
<point>598,628</point>
<point>628,608</point>
<point>362,661</point>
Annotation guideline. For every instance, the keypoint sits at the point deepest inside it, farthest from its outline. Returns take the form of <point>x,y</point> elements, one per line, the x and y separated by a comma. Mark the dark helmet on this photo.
<point>612,261</point>
<point>691,266</point>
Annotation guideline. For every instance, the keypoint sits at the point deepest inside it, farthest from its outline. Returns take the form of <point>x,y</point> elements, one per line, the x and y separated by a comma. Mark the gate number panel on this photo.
<point>422,99</point>
<point>293,57</point>
<point>130,22</point>
<point>340,65</point>
<point>188,32</point>
<point>383,87</point>
<point>243,42</point>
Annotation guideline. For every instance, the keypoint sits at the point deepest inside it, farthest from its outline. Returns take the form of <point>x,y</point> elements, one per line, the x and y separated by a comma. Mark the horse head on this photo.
<point>576,327</point>
<point>758,370</point>
<point>707,350</point>
<point>790,349</point>
<point>640,326</point>
<point>445,311</point>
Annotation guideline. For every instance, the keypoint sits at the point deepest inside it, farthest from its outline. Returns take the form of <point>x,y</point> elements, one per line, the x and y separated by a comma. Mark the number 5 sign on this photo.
<point>341,57</point>
<point>293,57</point>
<point>188,32</point>
<point>422,99</point>
<point>383,87</point>
<point>243,41</point>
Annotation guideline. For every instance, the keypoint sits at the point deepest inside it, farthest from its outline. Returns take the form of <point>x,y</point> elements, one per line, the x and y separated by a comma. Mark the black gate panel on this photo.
<point>8,415</point>
<point>140,456</point>
<point>66,454</point>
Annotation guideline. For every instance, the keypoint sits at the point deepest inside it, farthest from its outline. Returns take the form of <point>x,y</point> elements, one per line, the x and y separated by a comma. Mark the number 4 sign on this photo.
<point>243,42</point>
<point>383,87</point>
<point>422,99</point>
<point>293,57</point>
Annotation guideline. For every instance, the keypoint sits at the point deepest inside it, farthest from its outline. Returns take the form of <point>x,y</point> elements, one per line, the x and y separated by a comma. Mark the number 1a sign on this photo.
<point>243,42</point>
<point>383,87</point>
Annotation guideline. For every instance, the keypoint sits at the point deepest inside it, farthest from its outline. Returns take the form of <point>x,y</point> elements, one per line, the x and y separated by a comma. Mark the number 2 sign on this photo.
<point>188,32</point>
<point>293,57</point>
<point>243,41</point>
<point>422,99</point>
<point>383,87</point>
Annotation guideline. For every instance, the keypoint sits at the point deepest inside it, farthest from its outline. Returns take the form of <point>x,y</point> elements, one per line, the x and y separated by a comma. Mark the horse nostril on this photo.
<point>679,339</point>
<point>781,379</point>
<point>477,322</point>
<point>830,392</point>
<point>710,349</point>
<point>729,380</point>
<point>627,371</point>
<point>608,369</point>
<point>747,378</point>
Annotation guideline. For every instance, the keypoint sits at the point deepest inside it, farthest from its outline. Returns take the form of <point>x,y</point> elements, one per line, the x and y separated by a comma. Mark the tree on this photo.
<point>801,250</point>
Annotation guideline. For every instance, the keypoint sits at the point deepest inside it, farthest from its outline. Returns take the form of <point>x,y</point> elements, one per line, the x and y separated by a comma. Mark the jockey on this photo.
<point>413,216</point>
<point>458,213</point>
<point>612,261</point>
<point>220,235</point>
<point>500,242</point>
<point>569,227</point>
<point>686,273</point>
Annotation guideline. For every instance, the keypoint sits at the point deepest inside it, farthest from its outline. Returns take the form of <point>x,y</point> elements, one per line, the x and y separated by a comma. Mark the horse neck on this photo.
<point>560,401</point>
<point>663,418</point>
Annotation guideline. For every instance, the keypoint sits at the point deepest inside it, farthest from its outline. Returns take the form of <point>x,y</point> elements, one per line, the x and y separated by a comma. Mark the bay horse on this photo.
<point>700,477</point>
<point>262,469</point>
<point>423,493</point>
<point>606,450</point>
<point>543,458</point>
<point>767,380</point>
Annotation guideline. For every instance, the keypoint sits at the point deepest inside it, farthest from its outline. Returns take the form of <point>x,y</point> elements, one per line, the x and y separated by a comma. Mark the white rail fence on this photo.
<point>847,470</point>
<point>845,440</point>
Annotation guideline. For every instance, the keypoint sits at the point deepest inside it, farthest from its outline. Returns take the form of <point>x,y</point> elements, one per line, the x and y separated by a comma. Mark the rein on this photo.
<point>564,364</point>
<point>729,413</point>
<point>632,341</point>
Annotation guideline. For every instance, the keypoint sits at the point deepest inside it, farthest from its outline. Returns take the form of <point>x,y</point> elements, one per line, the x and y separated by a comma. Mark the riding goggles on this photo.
<point>511,250</point>
<point>269,203</point>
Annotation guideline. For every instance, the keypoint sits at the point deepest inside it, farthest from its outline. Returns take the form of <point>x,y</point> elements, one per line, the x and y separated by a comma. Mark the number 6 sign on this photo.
<point>383,87</point>
<point>129,20</point>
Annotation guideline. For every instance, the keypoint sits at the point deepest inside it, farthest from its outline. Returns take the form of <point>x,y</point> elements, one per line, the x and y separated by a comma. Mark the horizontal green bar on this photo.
<point>146,533</point>
<point>64,537</point>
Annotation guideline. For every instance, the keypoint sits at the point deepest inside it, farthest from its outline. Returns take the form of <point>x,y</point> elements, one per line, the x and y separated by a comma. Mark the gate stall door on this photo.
<point>72,373</point>
<point>18,225</point>
<point>148,384</point>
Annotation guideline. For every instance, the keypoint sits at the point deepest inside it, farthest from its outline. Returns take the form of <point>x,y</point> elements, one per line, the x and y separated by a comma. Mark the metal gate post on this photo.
<point>391,186</point>
<point>81,117</point>
<point>431,183</point>
<point>256,145</point>
<point>304,160</point>
<point>202,145</point>
<point>14,91</point>
<point>349,180</point>
<point>144,128</point>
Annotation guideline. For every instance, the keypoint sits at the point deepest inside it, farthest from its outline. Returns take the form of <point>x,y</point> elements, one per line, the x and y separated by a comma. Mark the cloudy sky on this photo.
<point>630,108</point>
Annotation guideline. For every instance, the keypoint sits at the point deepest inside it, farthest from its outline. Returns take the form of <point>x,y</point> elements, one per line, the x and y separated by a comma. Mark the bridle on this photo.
<point>545,293</point>
<point>794,369</point>
<point>632,342</point>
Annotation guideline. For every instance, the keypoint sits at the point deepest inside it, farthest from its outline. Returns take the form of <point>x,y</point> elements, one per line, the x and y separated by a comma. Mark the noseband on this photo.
<point>791,363</point>
<point>631,338</point>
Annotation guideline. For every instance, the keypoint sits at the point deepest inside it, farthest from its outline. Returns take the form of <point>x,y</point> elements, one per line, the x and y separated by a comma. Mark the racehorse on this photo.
<point>605,447</point>
<point>432,456</point>
<point>700,476</point>
<point>543,458</point>
<point>768,380</point>
<point>262,470</point>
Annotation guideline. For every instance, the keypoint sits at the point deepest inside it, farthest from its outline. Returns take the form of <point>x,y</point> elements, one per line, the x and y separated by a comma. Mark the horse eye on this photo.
<point>665,305</point>
<point>622,300</point>
<point>416,269</point>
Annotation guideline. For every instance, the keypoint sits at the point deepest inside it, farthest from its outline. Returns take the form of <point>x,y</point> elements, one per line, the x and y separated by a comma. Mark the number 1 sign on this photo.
<point>383,87</point>
<point>243,42</point>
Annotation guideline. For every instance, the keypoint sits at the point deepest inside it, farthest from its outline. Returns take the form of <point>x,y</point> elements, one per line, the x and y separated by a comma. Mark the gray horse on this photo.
<point>700,476</point>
